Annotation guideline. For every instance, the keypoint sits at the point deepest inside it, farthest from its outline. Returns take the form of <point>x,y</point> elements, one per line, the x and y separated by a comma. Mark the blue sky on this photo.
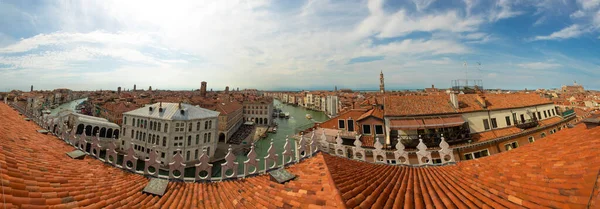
<point>315,44</point>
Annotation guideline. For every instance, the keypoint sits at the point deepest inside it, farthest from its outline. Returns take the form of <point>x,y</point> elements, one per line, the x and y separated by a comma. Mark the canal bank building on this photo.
<point>169,129</point>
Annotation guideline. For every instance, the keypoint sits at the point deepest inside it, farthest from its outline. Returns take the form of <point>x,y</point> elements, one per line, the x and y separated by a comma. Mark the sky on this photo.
<point>304,44</point>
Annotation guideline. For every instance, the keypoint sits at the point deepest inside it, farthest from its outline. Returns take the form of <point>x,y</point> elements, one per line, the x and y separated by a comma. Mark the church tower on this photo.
<point>381,85</point>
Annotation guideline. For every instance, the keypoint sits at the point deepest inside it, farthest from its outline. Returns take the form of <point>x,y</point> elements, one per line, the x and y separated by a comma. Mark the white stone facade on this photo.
<point>170,129</point>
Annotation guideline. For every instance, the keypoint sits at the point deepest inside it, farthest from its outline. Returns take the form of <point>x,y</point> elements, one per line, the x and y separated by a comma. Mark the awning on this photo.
<point>410,124</point>
<point>443,122</point>
<point>424,123</point>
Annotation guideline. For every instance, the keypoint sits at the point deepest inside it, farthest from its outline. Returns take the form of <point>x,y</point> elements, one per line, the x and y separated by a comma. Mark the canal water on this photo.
<point>286,127</point>
<point>67,106</point>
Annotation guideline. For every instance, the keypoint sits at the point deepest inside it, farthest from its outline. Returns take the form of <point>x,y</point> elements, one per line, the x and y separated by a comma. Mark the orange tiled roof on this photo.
<point>440,104</point>
<point>375,112</point>
<point>333,122</point>
<point>227,107</point>
<point>495,133</point>
<point>521,178</point>
<point>36,173</point>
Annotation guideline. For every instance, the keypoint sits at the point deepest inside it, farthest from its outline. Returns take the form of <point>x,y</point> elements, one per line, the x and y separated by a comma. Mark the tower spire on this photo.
<point>381,83</point>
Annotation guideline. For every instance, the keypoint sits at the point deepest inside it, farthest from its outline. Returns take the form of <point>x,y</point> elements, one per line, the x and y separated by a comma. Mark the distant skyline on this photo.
<point>312,44</point>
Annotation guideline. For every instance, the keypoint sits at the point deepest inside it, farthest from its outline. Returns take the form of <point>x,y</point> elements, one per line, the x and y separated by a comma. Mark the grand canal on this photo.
<point>286,127</point>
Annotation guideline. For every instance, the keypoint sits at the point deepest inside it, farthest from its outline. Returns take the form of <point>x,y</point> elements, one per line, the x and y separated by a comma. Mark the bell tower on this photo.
<point>381,84</point>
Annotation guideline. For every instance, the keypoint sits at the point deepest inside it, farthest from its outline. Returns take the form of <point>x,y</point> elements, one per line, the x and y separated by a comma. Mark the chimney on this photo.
<point>454,100</point>
<point>481,100</point>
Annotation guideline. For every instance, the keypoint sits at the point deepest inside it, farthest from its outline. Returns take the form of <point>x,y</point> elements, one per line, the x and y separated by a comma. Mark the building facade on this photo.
<point>230,119</point>
<point>259,111</point>
<point>170,128</point>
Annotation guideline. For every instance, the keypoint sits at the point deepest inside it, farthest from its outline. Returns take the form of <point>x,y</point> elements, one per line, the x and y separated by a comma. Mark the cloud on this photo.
<point>422,4</point>
<point>572,31</point>
<point>401,24</point>
<point>539,65</point>
<point>589,4</point>
<point>503,10</point>
<point>577,14</point>
<point>365,59</point>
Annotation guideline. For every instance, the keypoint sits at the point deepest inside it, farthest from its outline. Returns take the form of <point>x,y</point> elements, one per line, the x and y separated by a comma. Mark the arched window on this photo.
<point>187,155</point>
<point>138,122</point>
<point>209,137</point>
<point>543,135</point>
<point>198,126</point>
<point>145,123</point>
<point>166,127</point>
<point>164,141</point>
<point>116,133</point>
<point>189,140</point>
<point>190,127</point>
<point>125,121</point>
<point>80,129</point>
<point>109,133</point>
<point>132,134</point>
<point>205,137</point>
<point>95,130</point>
<point>197,139</point>
<point>103,132</point>
<point>205,125</point>
<point>210,124</point>
<point>159,128</point>
<point>208,151</point>
<point>151,125</point>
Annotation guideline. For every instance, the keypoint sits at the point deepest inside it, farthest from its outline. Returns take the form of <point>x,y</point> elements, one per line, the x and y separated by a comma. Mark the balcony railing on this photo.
<point>433,139</point>
<point>527,124</point>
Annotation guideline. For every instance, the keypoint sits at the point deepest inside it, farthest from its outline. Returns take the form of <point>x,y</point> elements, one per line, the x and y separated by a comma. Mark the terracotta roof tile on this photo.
<point>515,179</point>
<point>36,173</point>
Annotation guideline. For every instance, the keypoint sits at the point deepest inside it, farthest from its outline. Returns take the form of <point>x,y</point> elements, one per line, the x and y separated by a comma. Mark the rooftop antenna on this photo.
<point>479,69</point>
<point>466,73</point>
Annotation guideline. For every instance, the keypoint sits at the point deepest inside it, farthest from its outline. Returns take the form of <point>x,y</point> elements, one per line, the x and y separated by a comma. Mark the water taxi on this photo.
<point>308,116</point>
<point>282,115</point>
<point>287,115</point>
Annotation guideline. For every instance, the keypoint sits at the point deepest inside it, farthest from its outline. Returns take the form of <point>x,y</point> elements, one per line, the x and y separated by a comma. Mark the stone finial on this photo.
<point>177,165</point>
<point>81,141</point>
<point>446,154</point>
<point>252,161</point>
<point>323,141</point>
<point>95,146</point>
<point>130,157</point>
<point>423,155</point>
<point>287,152</point>
<point>271,157</point>
<point>152,161</point>
<point>379,155</point>
<point>203,166</point>
<point>111,151</point>
<point>359,151</point>
<point>400,154</point>
<point>301,148</point>
<point>338,139</point>
<point>229,164</point>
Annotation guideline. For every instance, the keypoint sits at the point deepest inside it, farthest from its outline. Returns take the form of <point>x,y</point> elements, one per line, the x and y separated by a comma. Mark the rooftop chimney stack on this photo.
<point>454,100</point>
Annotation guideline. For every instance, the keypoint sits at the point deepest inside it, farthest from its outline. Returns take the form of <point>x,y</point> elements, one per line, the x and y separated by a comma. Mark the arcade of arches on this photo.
<point>103,132</point>
<point>259,121</point>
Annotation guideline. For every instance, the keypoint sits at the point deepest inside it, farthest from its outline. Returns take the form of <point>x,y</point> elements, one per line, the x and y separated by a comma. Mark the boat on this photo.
<point>308,116</point>
<point>287,115</point>
<point>282,115</point>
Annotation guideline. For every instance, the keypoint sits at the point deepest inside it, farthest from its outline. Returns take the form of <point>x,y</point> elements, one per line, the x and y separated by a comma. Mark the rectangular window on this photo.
<point>553,112</point>
<point>187,156</point>
<point>494,123</point>
<point>196,154</point>
<point>545,114</point>
<point>190,127</point>
<point>341,124</point>
<point>522,118</point>
<point>507,120</point>
<point>164,141</point>
<point>486,124</point>
<point>531,139</point>
<point>125,121</point>
<point>350,125</point>
<point>162,155</point>
<point>475,155</point>
<point>378,129</point>
<point>539,115</point>
<point>437,161</point>
<point>366,129</point>
<point>510,146</point>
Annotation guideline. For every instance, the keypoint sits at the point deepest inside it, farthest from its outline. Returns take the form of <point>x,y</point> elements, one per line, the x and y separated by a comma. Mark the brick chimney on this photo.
<point>481,99</point>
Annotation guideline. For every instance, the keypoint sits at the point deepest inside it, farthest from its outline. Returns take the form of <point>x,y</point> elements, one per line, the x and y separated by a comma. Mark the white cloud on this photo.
<point>568,32</point>
<point>469,4</point>
<point>589,4</point>
<point>400,24</point>
<point>503,10</point>
<point>577,14</point>
<point>539,65</point>
<point>422,4</point>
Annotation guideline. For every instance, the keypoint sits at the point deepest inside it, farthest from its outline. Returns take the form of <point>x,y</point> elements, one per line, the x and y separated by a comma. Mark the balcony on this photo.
<point>433,139</point>
<point>527,124</point>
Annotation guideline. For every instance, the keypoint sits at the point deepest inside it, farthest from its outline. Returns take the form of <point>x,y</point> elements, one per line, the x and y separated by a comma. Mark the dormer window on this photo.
<point>182,112</point>
<point>160,109</point>
<point>150,109</point>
